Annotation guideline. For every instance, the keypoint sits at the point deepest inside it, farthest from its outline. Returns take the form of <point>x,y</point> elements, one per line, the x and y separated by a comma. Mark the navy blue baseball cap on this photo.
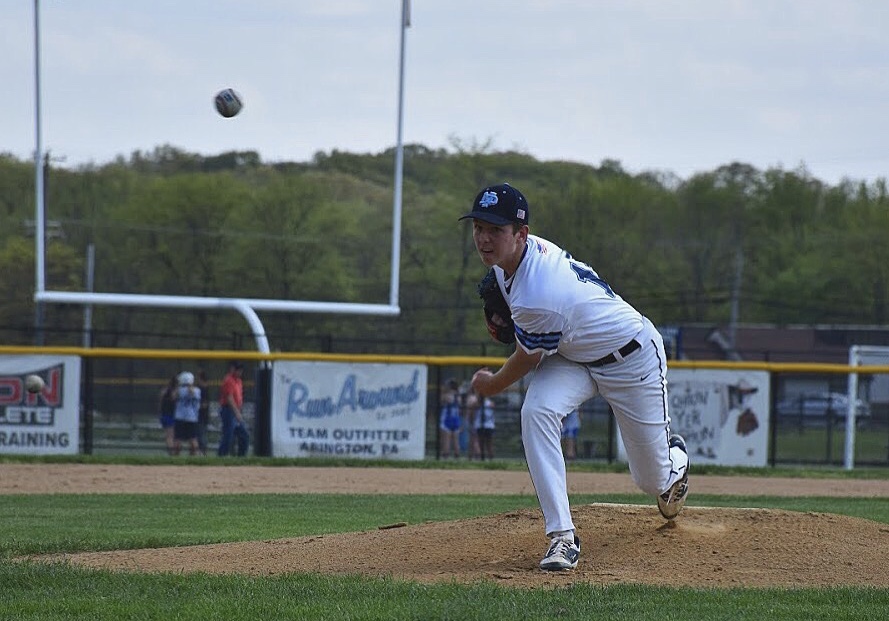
<point>500,205</point>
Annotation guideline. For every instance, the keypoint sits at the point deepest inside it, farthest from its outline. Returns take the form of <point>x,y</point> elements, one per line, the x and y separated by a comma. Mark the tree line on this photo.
<point>735,244</point>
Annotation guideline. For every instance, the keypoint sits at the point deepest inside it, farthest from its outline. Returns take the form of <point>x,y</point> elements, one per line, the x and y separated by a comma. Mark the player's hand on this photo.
<point>481,382</point>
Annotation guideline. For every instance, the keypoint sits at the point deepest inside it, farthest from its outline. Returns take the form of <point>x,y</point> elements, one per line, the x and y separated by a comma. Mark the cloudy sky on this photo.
<point>678,86</point>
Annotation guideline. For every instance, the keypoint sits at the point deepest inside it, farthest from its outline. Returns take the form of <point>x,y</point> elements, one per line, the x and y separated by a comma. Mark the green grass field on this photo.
<point>69,523</point>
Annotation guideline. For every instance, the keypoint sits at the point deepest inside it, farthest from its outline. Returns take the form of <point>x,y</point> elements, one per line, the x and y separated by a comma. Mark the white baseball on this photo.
<point>34,383</point>
<point>228,102</point>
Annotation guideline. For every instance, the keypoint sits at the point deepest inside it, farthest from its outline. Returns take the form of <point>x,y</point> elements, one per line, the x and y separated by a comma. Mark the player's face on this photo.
<point>499,245</point>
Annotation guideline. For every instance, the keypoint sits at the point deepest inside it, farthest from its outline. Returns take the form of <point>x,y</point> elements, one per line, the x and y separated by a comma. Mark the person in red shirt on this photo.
<point>231,402</point>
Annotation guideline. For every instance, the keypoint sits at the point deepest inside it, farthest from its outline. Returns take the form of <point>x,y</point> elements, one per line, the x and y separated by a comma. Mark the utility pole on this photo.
<point>39,308</point>
<point>734,312</point>
<point>38,183</point>
<point>90,286</point>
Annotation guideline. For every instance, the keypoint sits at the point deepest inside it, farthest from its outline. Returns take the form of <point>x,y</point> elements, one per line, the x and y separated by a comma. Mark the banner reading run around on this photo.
<point>362,410</point>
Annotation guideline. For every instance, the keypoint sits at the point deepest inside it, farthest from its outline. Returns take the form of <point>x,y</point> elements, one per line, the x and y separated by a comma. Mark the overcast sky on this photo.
<point>678,86</point>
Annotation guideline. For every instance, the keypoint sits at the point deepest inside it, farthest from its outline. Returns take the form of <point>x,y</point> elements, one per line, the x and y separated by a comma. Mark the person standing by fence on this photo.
<point>570,432</point>
<point>449,420</point>
<point>188,402</point>
<point>231,402</point>
<point>483,421</point>
<point>167,409</point>
<point>203,411</point>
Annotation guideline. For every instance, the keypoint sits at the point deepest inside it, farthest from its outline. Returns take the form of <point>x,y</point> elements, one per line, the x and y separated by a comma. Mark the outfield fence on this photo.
<point>120,389</point>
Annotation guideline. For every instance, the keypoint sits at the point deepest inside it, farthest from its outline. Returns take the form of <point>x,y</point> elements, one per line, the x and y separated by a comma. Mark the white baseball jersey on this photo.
<point>560,304</point>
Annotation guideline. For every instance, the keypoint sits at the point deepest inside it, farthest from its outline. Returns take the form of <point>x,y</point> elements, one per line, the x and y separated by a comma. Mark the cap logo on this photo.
<point>520,214</point>
<point>488,199</point>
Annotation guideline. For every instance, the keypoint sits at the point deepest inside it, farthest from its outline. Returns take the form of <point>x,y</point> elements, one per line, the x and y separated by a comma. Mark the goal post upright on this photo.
<point>862,356</point>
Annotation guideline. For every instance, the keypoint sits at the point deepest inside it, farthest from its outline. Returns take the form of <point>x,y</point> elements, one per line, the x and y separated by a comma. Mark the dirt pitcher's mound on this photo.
<point>704,547</point>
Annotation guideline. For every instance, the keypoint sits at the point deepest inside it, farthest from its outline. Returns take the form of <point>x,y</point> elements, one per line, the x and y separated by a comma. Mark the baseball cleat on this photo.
<point>670,502</point>
<point>562,554</point>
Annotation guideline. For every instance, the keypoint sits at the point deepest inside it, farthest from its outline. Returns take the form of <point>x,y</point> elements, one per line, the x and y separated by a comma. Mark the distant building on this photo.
<point>755,343</point>
<point>829,344</point>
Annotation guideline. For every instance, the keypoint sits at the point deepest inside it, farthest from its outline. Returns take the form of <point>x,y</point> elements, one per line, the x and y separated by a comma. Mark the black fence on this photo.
<point>121,398</point>
<point>124,418</point>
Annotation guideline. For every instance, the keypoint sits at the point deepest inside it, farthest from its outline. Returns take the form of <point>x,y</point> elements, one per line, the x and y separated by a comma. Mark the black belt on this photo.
<point>624,351</point>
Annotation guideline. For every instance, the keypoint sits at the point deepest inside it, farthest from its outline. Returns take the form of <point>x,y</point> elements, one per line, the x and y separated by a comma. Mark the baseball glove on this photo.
<point>498,317</point>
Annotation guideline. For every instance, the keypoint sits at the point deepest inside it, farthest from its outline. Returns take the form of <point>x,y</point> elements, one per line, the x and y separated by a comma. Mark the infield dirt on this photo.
<point>704,547</point>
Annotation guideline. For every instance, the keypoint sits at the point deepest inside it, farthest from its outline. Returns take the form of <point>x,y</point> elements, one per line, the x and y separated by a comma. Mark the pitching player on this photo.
<point>580,339</point>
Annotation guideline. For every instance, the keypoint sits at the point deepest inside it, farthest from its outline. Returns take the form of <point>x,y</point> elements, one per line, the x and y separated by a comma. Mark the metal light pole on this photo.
<point>39,222</point>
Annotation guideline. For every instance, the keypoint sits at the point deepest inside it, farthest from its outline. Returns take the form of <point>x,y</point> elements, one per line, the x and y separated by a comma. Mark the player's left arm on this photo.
<point>517,366</point>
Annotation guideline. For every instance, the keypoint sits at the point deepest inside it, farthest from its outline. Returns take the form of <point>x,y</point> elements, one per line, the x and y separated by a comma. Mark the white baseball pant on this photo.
<point>635,388</point>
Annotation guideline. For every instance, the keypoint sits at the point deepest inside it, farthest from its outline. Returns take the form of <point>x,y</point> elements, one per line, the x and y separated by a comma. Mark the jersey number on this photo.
<point>585,273</point>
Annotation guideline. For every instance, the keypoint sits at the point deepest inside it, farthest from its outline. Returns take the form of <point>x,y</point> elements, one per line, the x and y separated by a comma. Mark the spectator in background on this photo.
<point>166,411</point>
<point>231,402</point>
<point>484,426</point>
<point>468,436</point>
<point>570,431</point>
<point>188,402</point>
<point>469,402</point>
<point>449,420</point>
<point>203,410</point>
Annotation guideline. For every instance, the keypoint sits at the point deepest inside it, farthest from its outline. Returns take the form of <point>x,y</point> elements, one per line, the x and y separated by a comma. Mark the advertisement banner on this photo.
<point>722,414</point>
<point>333,409</point>
<point>42,423</point>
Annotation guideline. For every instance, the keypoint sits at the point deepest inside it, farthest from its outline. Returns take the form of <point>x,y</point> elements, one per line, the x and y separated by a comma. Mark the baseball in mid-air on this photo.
<point>228,102</point>
<point>34,383</point>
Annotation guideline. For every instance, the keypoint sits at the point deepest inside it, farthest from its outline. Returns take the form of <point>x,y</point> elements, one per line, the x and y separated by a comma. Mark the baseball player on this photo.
<point>580,339</point>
